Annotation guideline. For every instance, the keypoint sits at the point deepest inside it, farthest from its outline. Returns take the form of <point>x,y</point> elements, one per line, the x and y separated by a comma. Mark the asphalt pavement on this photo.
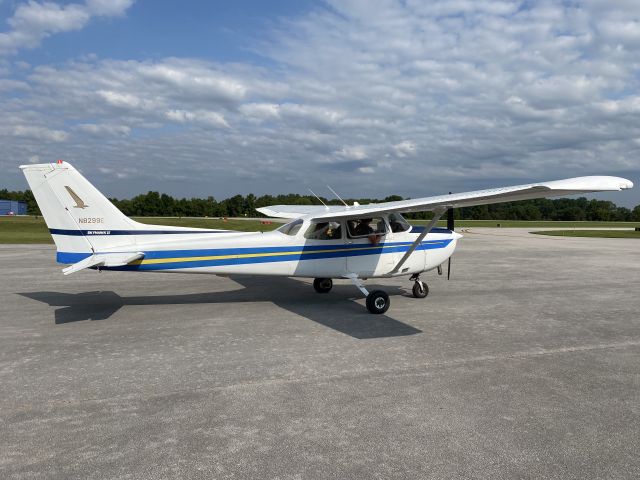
<point>526,364</point>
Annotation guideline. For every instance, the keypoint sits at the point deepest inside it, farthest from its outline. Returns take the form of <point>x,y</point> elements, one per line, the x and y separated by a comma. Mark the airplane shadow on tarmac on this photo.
<point>334,310</point>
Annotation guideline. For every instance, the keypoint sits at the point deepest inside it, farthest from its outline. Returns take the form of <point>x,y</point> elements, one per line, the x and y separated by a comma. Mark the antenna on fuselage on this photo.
<point>325,205</point>
<point>336,194</point>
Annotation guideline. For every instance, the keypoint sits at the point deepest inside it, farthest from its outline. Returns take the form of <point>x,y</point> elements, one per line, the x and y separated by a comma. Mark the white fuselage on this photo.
<point>280,254</point>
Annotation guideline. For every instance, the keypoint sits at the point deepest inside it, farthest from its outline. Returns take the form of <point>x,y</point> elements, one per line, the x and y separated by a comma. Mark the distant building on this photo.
<point>12,207</point>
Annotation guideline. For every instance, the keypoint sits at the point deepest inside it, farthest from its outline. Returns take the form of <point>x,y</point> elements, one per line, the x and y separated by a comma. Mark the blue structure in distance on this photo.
<point>12,207</point>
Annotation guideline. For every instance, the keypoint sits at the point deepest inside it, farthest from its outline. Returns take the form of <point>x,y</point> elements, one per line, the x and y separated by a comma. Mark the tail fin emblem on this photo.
<point>79,202</point>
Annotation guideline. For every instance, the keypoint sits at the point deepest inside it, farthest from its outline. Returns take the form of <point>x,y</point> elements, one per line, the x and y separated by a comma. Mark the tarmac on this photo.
<point>526,364</point>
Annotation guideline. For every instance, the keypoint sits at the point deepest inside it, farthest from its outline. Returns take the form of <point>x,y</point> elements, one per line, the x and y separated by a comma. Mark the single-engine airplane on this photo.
<point>354,242</point>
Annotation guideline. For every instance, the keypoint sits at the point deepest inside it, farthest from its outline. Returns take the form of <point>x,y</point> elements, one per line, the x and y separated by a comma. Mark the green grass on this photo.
<point>34,230</point>
<point>24,230</point>
<point>531,224</point>
<point>592,233</point>
<point>215,223</point>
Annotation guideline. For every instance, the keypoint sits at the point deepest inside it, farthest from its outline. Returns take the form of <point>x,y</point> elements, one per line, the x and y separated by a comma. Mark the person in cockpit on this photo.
<point>364,228</point>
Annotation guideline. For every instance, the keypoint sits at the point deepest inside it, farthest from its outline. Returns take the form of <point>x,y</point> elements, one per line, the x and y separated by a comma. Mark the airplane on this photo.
<point>354,242</point>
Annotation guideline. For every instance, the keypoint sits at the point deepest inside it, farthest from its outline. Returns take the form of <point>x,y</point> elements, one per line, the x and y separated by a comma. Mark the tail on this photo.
<point>81,220</point>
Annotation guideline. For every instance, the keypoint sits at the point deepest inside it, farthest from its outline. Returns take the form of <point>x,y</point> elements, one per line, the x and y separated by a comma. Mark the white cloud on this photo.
<point>109,8</point>
<point>213,119</point>
<point>104,129</point>
<point>446,92</point>
<point>33,21</point>
<point>405,149</point>
<point>38,133</point>
<point>355,153</point>
<point>260,111</point>
<point>120,99</point>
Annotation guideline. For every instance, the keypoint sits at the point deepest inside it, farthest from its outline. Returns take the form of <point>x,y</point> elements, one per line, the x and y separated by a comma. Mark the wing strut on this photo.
<point>437,213</point>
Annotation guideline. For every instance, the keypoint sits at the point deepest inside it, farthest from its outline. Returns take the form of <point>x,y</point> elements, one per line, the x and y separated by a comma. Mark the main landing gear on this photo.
<point>323,285</point>
<point>378,300</point>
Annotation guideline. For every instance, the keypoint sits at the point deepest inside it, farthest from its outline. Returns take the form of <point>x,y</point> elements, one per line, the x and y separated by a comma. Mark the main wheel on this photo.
<point>323,285</point>
<point>378,302</point>
<point>420,290</point>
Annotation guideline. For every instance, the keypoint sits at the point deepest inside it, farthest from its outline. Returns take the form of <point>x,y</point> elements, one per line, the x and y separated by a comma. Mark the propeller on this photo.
<point>450,226</point>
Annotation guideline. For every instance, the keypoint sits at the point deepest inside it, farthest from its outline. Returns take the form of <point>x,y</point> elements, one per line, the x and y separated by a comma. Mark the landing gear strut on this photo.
<point>420,289</point>
<point>323,285</point>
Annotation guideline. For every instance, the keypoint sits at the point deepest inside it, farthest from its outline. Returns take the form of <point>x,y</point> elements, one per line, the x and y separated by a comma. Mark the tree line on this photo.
<point>156,204</point>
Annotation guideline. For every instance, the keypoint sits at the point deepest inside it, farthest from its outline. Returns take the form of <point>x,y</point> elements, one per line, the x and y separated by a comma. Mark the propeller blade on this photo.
<point>449,269</point>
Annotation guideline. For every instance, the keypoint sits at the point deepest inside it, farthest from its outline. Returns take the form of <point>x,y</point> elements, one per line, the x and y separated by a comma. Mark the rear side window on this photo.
<point>291,228</point>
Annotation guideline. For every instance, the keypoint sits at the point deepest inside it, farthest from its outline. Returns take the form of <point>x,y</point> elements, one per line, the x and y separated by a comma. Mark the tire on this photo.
<point>323,285</point>
<point>378,302</point>
<point>419,291</point>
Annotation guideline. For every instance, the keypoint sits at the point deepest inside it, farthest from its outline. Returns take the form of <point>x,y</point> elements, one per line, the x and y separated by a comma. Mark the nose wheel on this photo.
<point>420,289</point>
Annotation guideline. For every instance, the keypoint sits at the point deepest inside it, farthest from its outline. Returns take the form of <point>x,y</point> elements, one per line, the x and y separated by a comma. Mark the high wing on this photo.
<point>569,186</point>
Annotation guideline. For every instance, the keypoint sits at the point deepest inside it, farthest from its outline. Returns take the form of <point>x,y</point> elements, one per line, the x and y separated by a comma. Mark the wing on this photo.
<point>569,186</point>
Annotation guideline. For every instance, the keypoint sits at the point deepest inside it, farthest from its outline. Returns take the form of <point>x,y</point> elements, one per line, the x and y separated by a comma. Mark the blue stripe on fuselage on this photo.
<point>290,253</point>
<point>104,231</point>
<point>420,229</point>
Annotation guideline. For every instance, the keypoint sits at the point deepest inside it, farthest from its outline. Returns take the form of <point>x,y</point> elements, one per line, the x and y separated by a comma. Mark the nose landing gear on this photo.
<point>420,289</point>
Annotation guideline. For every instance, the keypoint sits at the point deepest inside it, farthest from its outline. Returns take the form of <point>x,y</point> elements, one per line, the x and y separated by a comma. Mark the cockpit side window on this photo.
<point>324,231</point>
<point>365,227</point>
<point>291,228</point>
<point>398,223</point>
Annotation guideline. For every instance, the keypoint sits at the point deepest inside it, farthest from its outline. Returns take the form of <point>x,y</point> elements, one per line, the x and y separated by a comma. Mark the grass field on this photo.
<point>531,224</point>
<point>592,233</point>
<point>34,230</point>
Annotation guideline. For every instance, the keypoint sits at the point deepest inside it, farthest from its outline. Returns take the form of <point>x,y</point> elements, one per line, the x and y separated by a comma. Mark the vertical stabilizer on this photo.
<point>77,214</point>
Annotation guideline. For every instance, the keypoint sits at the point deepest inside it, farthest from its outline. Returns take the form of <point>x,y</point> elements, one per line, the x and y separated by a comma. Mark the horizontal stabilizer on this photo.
<point>104,260</point>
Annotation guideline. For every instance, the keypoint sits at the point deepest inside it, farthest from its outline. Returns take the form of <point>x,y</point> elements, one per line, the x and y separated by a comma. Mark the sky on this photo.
<point>411,97</point>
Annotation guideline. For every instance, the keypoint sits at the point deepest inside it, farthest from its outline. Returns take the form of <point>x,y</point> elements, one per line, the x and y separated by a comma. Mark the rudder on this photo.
<point>79,217</point>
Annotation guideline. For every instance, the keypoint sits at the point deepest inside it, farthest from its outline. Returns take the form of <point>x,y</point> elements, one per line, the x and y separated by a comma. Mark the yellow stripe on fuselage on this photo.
<point>265,254</point>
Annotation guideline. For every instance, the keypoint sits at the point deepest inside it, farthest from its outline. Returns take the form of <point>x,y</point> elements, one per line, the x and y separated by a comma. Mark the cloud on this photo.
<point>38,133</point>
<point>34,21</point>
<point>405,149</point>
<point>458,94</point>
<point>213,119</point>
<point>104,129</point>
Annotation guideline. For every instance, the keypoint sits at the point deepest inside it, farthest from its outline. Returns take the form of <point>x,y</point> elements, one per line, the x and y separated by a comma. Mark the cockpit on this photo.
<point>373,228</point>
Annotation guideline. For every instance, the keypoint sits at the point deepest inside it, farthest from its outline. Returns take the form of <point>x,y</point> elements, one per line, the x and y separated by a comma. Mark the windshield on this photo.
<point>398,223</point>
<point>291,228</point>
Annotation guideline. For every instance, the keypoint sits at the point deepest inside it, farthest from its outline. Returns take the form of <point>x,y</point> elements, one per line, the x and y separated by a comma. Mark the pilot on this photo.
<point>319,233</point>
<point>364,228</point>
